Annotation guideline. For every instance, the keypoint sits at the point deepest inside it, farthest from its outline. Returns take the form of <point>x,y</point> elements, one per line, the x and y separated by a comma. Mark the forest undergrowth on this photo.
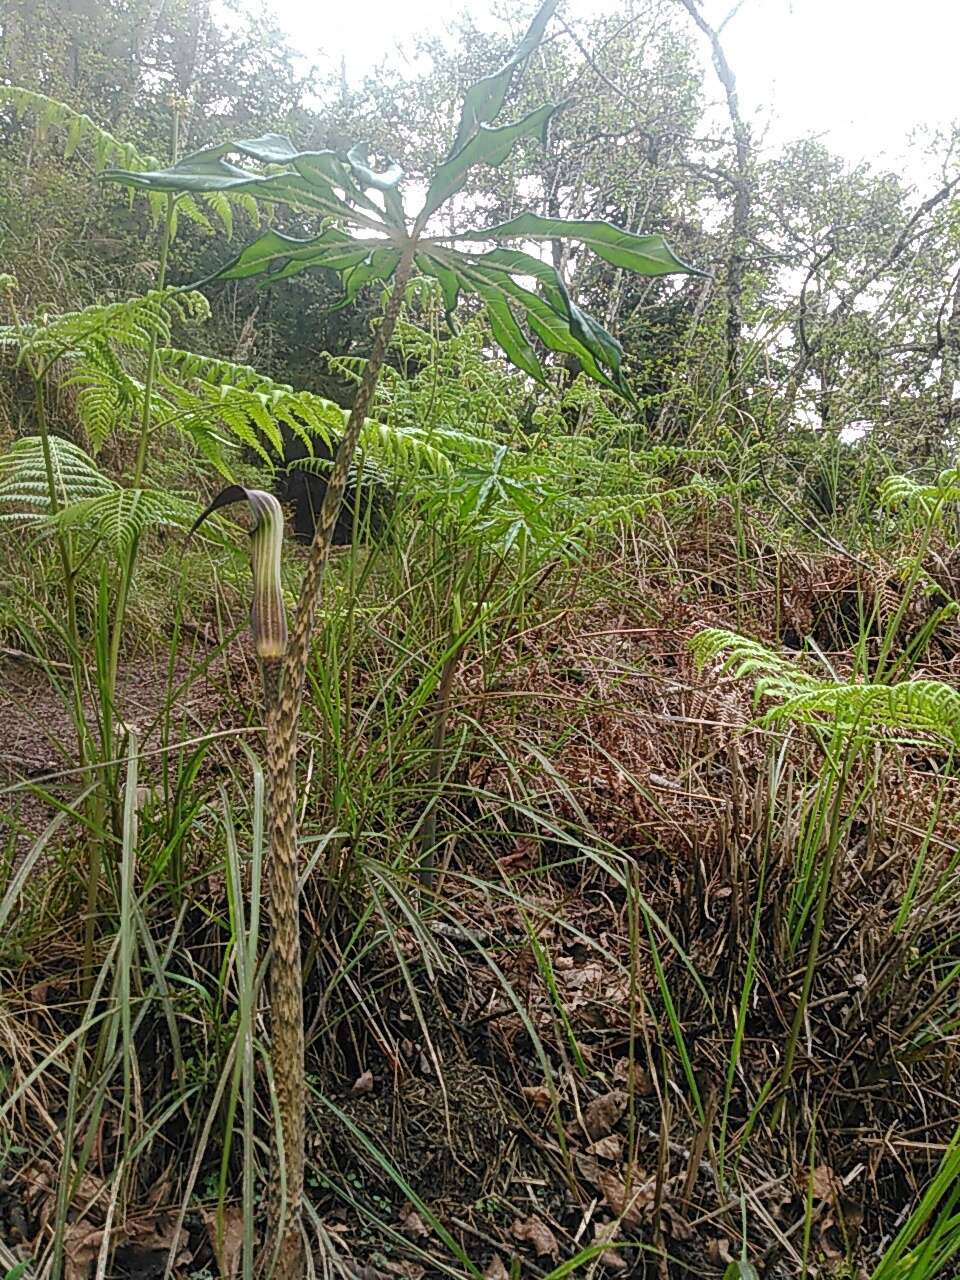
<point>591,1025</point>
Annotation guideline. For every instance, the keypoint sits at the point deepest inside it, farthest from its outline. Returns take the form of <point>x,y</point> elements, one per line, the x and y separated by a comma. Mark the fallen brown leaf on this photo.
<point>826,1184</point>
<point>588,1167</point>
<point>535,1232</point>
<point>676,1224</point>
<point>600,1116</point>
<point>718,1251</point>
<point>608,1148</point>
<point>411,1222</point>
<point>629,1207</point>
<point>642,1082</point>
<point>227,1256</point>
<point>606,1233</point>
<point>538,1095</point>
<point>147,1242</point>
<point>825,1230</point>
<point>403,1267</point>
<point>363,1084</point>
<point>81,1245</point>
<point>495,1270</point>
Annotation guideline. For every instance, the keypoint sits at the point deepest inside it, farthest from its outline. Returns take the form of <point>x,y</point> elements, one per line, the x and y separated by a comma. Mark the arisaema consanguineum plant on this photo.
<point>366,237</point>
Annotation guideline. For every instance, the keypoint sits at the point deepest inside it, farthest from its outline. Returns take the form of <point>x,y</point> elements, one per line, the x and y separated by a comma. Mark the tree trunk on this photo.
<point>949,370</point>
<point>740,214</point>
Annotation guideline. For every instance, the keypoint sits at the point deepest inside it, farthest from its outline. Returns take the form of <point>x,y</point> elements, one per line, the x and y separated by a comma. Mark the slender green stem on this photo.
<point>128,566</point>
<point>151,376</point>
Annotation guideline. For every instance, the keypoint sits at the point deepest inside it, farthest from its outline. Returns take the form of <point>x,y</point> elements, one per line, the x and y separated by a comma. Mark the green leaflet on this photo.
<point>484,100</point>
<point>388,181</point>
<point>359,159</point>
<point>280,256</point>
<point>545,273</point>
<point>486,146</point>
<point>269,148</point>
<point>447,278</point>
<point>560,325</point>
<point>202,171</point>
<point>314,179</point>
<point>19,1271</point>
<point>508,333</point>
<point>377,264</point>
<point>326,171</point>
<point>647,255</point>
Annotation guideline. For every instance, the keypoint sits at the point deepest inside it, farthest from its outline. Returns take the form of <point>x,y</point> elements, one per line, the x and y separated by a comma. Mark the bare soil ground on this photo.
<point>38,738</point>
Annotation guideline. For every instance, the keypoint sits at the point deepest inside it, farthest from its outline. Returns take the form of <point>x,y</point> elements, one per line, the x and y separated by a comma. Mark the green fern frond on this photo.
<point>24,482</point>
<point>188,206</point>
<point>121,516</point>
<point>130,324</point>
<point>352,367</point>
<point>403,449</point>
<point>90,351</point>
<point>78,130</point>
<point>363,470</point>
<point>900,492</point>
<point>106,395</point>
<point>188,364</point>
<point>217,203</point>
<point>80,133</point>
<point>924,707</point>
<point>250,401</point>
<point>927,707</point>
<point>87,500</point>
<point>216,414</point>
<point>745,657</point>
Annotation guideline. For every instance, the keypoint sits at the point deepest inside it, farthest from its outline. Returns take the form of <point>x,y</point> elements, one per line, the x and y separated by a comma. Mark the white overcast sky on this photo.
<point>861,73</point>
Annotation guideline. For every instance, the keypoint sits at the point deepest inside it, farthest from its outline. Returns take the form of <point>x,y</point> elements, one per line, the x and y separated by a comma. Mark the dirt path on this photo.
<point>207,690</point>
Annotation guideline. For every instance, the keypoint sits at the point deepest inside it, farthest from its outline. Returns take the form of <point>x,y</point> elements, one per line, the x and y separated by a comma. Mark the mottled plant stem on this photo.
<point>284,688</point>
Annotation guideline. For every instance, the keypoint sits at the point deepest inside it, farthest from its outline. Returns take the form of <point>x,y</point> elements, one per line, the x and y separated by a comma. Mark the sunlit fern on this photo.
<point>899,492</point>
<point>128,325</point>
<point>106,395</point>
<point>81,135</point>
<point>927,708</point>
<point>24,481</point>
<point>87,500</point>
<point>212,394</point>
<point>551,485</point>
